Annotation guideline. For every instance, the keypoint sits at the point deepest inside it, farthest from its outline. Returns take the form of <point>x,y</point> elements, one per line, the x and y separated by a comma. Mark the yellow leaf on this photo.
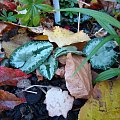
<point>41,37</point>
<point>64,37</point>
<point>104,104</point>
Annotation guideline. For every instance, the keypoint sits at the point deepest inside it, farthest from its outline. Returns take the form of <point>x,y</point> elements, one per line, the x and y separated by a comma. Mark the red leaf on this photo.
<point>10,5</point>
<point>9,76</point>
<point>9,100</point>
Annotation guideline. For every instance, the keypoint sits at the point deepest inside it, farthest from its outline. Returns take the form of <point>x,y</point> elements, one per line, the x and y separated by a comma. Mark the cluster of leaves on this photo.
<point>33,55</point>
<point>9,76</point>
<point>106,21</point>
<point>33,10</point>
<point>7,16</point>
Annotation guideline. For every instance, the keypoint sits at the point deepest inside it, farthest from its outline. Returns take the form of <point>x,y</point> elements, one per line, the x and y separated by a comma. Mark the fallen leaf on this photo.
<point>79,45</point>
<point>41,37</point>
<point>60,102</point>
<point>104,104</point>
<point>60,72</point>
<point>5,27</point>
<point>9,100</point>
<point>15,42</point>
<point>9,76</point>
<point>36,30</point>
<point>64,37</point>
<point>79,85</point>
<point>62,59</point>
<point>39,76</point>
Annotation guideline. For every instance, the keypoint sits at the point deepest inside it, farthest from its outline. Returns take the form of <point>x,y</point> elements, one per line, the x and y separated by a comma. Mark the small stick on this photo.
<point>81,3</point>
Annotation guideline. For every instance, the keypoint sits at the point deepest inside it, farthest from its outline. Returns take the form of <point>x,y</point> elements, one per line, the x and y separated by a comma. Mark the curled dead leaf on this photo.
<point>79,85</point>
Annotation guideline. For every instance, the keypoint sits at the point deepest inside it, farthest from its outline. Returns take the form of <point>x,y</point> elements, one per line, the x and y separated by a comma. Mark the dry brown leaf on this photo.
<point>62,59</point>
<point>79,45</point>
<point>64,37</point>
<point>104,104</point>
<point>36,30</point>
<point>79,85</point>
<point>15,42</point>
<point>39,76</point>
<point>41,37</point>
<point>5,27</point>
<point>60,72</point>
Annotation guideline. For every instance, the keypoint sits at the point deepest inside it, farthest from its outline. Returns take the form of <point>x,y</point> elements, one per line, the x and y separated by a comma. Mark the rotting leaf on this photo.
<point>104,103</point>
<point>64,37</point>
<point>9,100</point>
<point>9,76</point>
<point>79,85</point>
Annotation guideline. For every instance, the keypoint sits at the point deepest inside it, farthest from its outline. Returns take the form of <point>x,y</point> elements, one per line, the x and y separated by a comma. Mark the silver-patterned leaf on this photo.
<point>64,50</point>
<point>31,55</point>
<point>49,68</point>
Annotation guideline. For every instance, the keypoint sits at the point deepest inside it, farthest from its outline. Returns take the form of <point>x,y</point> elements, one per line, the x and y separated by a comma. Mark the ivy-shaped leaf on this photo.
<point>64,50</point>
<point>30,55</point>
<point>49,68</point>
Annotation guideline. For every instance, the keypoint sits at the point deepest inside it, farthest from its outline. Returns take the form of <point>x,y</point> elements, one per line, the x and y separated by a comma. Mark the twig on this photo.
<point>39,86</point>
<point>81,3</point>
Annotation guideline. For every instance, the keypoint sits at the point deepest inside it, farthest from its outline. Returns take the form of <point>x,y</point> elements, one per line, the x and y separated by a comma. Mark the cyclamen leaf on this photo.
<point>49,68</point>
<point>9,100</point>
<point>31,55</point>
<point>64,50</point>
<point>106,51</point>
<point>9,76</point>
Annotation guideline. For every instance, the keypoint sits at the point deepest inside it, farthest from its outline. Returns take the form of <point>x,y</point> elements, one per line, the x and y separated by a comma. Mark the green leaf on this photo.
<point>11,19</point>
<point>10,14</point>
<point>4,13</point>
<point>44,7</point>
<point>30,55</point>
<point>36,16</point>
<point>27,17</point>
<point>24,1</point>
<point>48,68</point>
<point>109,29</point>
<point>96,14</point>
<point>19,15</point>
<point>106,39</point>
<point>64,50</point>
<point>107,74</point>
<point>118,1</point>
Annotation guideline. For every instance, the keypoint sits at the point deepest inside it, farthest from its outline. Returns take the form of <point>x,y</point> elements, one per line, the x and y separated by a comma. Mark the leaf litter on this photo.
<point>39,99</point>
